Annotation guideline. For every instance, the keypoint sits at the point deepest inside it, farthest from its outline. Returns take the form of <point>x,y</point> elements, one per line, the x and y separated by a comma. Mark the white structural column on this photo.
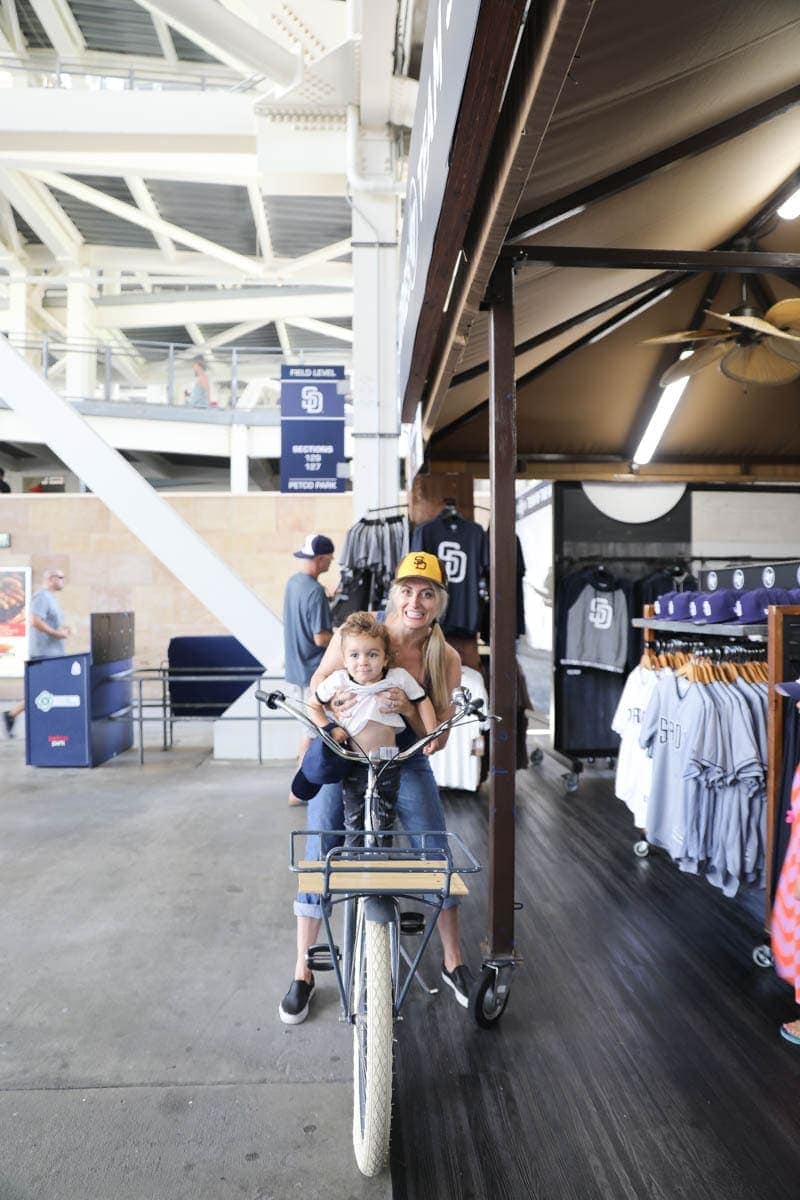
<point>240,469</point>
<point>81,336</point>
<point>18,308</point>
<point>376,419</point>
<point>146,513</point>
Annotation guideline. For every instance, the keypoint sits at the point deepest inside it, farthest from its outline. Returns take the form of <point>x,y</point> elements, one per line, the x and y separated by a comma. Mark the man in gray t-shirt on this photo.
<point>47,630</point>
<point>307,624</point>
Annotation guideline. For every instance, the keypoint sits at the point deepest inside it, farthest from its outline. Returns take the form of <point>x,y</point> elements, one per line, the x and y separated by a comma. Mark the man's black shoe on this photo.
<point>9,723</point>
<point>294,1005</point>
<point>460,980</point>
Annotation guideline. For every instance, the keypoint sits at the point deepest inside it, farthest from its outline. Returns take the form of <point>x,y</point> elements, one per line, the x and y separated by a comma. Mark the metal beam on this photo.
<point>43,213</point>
<point>149,312</point>
<point>728,262</point>
<point>13,29</point>
<point>229,39</point>
<point>579,200</point>
<point>60,26</point>
<point>128,212</point>
<point>503,631</point>
<point>323,255</point>
<point>164,38</point>
<point>283,338</point>
<point>323,327</point>
<point>264,238</point>
<point>141,194</point>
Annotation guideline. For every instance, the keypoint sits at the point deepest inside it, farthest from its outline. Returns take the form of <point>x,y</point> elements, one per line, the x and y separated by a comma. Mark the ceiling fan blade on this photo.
<point>758,325</point>
<point>688,335</point>
<point>684,368</point>
<point>757,364</point>
<point>785,312</point>
<point>788,350</point>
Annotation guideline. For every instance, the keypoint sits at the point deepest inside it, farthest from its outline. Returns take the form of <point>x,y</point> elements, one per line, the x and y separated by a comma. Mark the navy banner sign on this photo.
<point>312,429</point>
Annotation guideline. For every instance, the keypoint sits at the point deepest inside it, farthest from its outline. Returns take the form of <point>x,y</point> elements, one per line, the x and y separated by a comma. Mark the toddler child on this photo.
<point>368,671</point>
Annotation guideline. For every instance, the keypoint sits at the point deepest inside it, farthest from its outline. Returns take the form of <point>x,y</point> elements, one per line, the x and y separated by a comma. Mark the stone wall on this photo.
<point>109,570</point>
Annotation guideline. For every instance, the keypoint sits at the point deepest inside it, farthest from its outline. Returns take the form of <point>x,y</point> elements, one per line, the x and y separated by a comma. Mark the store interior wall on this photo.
<point>108,569</point>
<point>745,524</point>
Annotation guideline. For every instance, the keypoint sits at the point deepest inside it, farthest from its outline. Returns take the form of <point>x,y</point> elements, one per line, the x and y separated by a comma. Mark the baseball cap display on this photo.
<point>661,603</point>
<point>715,608</point>
<point>751,607</point>
<point>315,543</point>
<point>678,606</point>
<point>421,565</point>
<point>790,689</point>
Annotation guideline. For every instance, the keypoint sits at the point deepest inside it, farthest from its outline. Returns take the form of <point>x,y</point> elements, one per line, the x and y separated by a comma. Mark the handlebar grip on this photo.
<point>271,699</point>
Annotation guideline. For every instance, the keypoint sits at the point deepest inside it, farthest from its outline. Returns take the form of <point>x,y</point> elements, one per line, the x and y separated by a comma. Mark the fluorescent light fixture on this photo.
<point>791,207</point>
<point>668,402</point>
<point>573,212</point>
<point>623,320</point>
<point>449,295</point>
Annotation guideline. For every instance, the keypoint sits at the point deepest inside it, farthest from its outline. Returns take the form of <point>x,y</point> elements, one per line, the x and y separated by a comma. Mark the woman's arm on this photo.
<point>453,673</point>
<point>427,714</point>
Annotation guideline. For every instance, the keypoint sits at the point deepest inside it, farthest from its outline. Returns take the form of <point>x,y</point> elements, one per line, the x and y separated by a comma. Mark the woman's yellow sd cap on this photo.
<point>421,565</point>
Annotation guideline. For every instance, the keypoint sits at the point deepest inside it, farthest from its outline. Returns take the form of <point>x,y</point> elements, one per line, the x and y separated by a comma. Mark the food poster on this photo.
<point>15,598</point>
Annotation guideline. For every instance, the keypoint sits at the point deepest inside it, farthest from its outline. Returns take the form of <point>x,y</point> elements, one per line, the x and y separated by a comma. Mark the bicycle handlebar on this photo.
<point>461,699</point>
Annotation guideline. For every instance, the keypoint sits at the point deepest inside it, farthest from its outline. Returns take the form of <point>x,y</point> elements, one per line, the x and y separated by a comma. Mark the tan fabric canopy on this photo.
<point>647,77</point>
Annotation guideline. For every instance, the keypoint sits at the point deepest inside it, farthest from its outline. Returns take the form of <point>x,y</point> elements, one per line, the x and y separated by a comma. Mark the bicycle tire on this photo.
<point>372,1048</point>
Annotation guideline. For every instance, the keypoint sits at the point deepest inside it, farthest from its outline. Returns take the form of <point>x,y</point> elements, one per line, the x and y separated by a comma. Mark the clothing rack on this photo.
<point>780,641</point>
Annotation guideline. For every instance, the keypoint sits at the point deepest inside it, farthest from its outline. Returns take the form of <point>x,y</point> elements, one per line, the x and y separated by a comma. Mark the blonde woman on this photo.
<point>417,600</point>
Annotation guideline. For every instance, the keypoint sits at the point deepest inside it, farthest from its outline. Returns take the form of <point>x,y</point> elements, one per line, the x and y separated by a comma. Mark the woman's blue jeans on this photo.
<point>419,807</point>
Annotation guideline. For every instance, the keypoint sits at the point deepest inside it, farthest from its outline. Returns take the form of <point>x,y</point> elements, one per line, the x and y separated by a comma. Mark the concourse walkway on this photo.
<point>147,940</point>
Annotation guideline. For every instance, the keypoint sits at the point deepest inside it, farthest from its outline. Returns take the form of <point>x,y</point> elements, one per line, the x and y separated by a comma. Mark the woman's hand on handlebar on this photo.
<point>432,747</point>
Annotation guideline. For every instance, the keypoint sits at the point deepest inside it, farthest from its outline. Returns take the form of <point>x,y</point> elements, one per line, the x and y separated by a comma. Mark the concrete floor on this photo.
<point>146,940</point>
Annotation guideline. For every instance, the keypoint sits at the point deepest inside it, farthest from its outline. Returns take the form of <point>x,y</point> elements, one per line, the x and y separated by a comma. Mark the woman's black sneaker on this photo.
<point>460,980</point>
<point>294,1005</point>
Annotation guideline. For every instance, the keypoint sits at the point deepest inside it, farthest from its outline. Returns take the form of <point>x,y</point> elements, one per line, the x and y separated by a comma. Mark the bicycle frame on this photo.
<point>382,903</point>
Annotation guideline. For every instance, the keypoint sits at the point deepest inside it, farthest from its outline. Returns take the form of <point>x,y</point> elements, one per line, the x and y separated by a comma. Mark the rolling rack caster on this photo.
<point>489,996</point>
<point>762,956</point>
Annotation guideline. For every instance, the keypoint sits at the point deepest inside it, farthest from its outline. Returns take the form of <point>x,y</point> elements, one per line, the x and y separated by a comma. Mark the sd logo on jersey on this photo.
<point>454,559</point>
<point>601,612</point>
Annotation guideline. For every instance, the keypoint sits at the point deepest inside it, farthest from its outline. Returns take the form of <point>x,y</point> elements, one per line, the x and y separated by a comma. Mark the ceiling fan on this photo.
<point>755,348</point>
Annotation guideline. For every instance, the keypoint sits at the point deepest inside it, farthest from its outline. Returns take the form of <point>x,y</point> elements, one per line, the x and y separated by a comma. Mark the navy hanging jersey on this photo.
<point>463,547</point>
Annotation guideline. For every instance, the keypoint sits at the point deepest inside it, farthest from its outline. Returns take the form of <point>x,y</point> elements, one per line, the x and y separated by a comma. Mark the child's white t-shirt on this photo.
<point>366,706</point>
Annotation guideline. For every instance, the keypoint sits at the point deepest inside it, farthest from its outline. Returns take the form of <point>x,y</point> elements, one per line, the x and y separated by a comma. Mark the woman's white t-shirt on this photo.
<point>366,705</point>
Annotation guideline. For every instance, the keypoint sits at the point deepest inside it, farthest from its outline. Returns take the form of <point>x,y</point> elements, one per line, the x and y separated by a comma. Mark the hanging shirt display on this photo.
<point>598,626</point>
<point>634,765</point>
<point>707,799</point>
<point>463,547</point>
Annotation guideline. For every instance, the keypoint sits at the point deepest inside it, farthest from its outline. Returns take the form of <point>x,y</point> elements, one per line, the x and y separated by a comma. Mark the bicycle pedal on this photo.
<point>412,922</point>
<point>318,958</point>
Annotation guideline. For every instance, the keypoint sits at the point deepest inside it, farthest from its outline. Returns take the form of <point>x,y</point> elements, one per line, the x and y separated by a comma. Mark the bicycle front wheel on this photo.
<point>372,1047</point>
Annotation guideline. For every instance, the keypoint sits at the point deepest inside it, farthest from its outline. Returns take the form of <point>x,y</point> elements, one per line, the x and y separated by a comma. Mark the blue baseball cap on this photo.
<point>751,607</point>
<point>790,689</point>
<point>794,595</point>
<point>660,604</point>
<point>678,606</point>
<point>716,608</point>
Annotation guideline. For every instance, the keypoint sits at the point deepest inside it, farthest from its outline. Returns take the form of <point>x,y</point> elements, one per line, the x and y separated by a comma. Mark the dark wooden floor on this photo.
<point>639,1055</point>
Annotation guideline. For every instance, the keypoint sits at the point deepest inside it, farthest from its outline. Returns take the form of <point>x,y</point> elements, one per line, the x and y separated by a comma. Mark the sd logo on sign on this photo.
<point>311,400</point>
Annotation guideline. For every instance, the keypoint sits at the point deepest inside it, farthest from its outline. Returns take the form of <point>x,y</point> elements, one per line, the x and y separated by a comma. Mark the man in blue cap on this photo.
<point>307,624</point>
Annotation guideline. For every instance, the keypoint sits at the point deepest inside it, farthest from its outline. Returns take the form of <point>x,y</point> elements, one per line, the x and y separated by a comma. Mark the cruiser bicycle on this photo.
<point>369,880</point>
